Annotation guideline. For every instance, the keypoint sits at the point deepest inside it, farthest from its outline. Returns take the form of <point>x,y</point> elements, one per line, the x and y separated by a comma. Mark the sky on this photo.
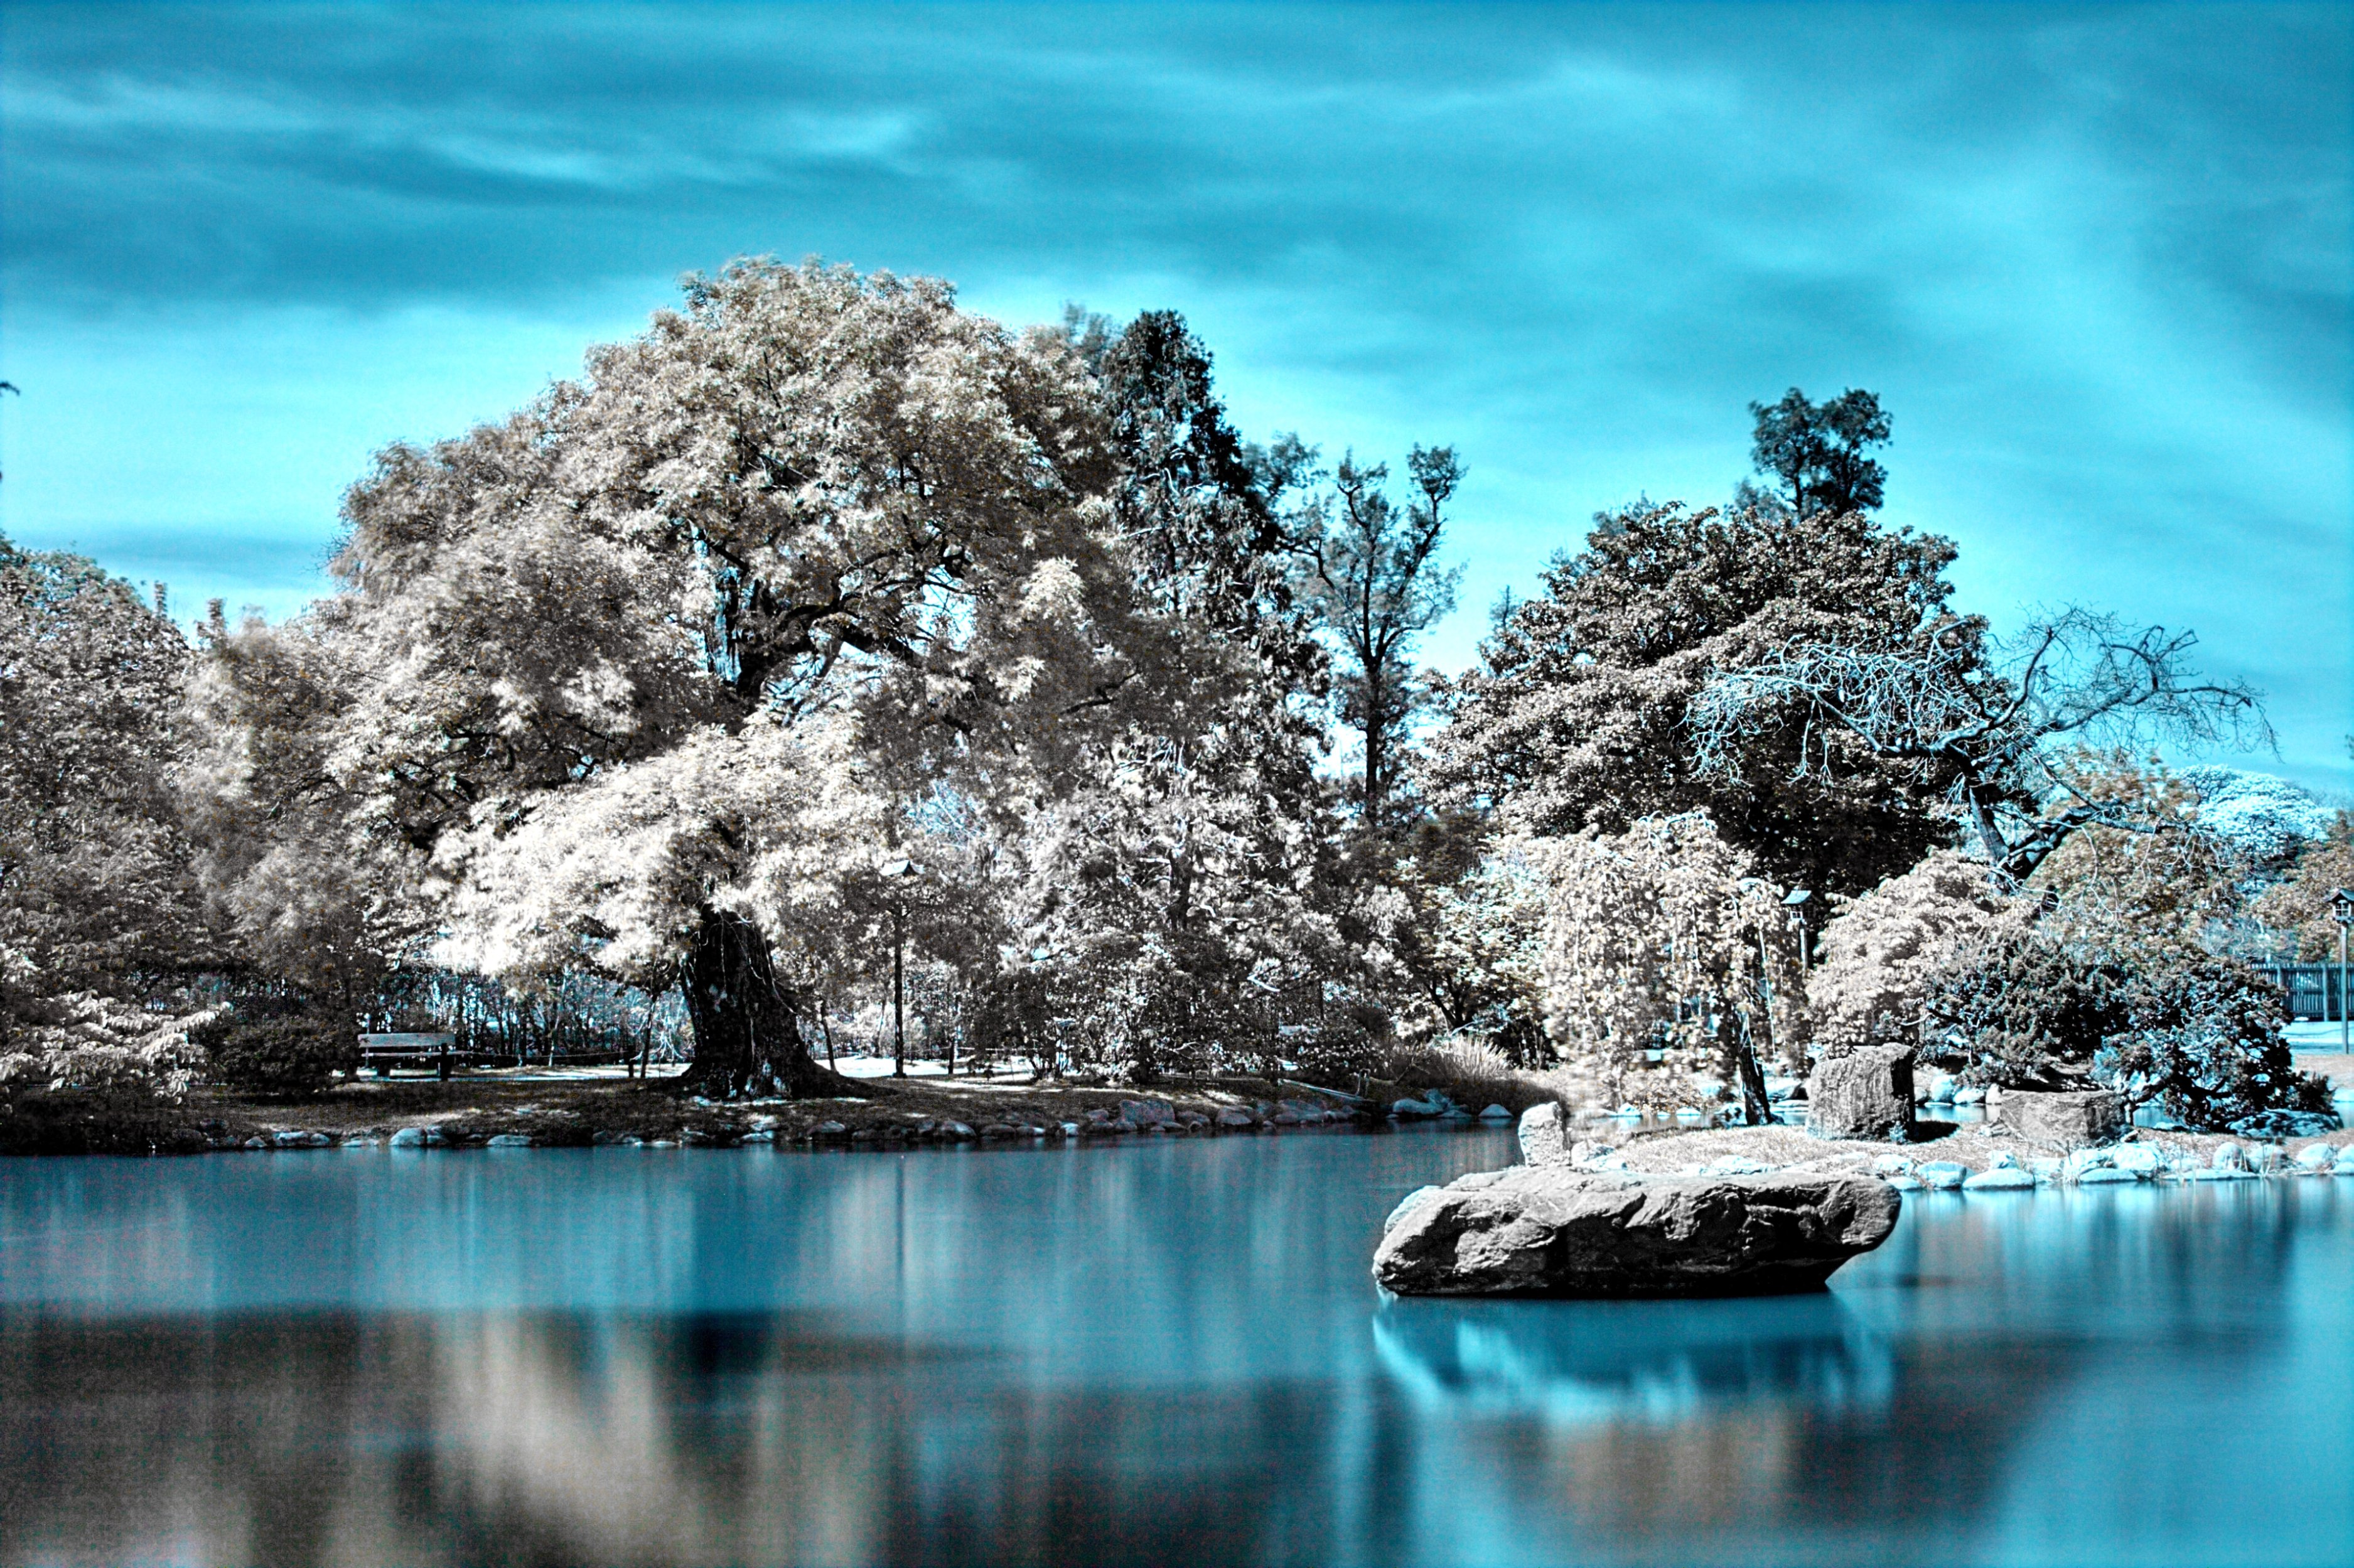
<point>2096,262</point>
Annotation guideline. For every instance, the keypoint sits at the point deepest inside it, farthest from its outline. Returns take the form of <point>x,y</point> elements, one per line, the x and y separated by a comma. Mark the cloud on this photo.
<point>2097,261</point>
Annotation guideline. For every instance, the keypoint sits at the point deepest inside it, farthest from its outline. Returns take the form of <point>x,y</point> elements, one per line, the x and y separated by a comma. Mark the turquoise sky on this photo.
<point>2097,262</point>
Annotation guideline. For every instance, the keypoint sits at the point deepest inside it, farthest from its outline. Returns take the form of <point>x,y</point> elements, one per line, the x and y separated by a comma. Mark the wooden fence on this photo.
<point>2315,990</point>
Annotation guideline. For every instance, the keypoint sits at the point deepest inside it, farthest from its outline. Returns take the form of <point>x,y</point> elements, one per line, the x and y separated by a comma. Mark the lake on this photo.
<point>1164,1352</point>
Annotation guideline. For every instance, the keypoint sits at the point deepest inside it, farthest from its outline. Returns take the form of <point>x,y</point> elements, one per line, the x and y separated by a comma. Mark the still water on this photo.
<point>1161,1354</point>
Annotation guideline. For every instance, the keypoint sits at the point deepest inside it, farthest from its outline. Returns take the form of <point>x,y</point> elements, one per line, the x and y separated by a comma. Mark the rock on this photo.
<point>510,1140</point>
<point>1970,1095</point>
<point>2002,1179</point>
<point>1545,1135</point>
<point>2315,1157</point>
<point>1417,1110</point>
<point>2065,1121</point>
<point>1147,1113</point>
<point>1943,1087</point>
<point>294,1140</point>
<point>1547,1231</point>
<point>2106,1175</point>
<point>1890,1164</point>
<point>1070,1129</point>
<point>409,1137</point>
<point>2046,1167</point>
<point>2220,1173</point>
<point>1737,1165</point>
<point>1904,1183</point>
<point>2006,1161</point>
<point>2229,1157</point>
<point>1495,1113</point>
<point>761,1135</point>
<point>1283,1118</point>
<point>1406,1203</point>
<point>1234,1115</point>
<point>2140,1158</point>
<point>829,1129</point>
<point>1941,1175</point>
<point>255,1143</point>
<point>1867,1093</point>
<point>991,1132</point>
<point>960,1132</point>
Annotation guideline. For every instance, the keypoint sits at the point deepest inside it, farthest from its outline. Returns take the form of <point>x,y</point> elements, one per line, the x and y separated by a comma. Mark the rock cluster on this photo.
<point>1550,1230</point>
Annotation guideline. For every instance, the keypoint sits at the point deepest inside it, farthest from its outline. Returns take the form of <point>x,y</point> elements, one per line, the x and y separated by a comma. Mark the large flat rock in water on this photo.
<point>1546,1231</point>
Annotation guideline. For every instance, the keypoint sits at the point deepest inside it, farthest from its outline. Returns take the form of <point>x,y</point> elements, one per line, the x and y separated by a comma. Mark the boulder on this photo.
<point>1495,1113</point>
<point>1941,1175</point>
<point>510,1140</point>
<point>1549,1231</point>
<point>2315,1157</point>
<point>2141,1158</point>
<point>2076,1119</point>
<point>1544,1134</point>
<point>409,1137</point>
<point>1233,1115</point>
<point>1867,1093</point>
<point>2001,1178</point>
<point>2106,1175</point>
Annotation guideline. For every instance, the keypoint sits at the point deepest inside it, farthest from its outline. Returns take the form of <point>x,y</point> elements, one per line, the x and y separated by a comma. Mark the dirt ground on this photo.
<point>579,1108</point>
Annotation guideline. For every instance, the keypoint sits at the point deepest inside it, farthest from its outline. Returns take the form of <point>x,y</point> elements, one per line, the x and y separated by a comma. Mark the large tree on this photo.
<point>1814,452</point>
<point>1375,577</point>
<point>647,674</point>
<point>1167,880</point>
<point>1576,715</point>
<point>99,914</point>
<point>1998,730</point>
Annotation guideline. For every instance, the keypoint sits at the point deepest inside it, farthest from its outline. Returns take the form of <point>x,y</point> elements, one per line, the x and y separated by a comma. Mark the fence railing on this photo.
<point>2315,990</point>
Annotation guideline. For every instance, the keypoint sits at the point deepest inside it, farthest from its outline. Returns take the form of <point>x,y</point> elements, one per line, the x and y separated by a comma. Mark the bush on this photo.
<point>2166,1024</point>
<point>2202,1042</point>
<point>280,1056</point>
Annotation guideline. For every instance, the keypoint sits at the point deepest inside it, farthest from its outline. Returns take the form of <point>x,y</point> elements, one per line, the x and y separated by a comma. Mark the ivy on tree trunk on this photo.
<point>747,1037</point>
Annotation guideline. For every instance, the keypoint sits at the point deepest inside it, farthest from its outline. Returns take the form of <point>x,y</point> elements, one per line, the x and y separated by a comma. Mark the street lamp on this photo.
<point>2342,909</point>
<point>901,871</point>
<point>1796,902</point>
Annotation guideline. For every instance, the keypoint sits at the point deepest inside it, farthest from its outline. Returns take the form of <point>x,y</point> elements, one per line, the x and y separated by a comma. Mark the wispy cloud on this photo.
<point>2097,261</point>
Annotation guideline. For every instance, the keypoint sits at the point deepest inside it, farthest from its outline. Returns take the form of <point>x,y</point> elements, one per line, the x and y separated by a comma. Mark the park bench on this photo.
<point>383,1053</point>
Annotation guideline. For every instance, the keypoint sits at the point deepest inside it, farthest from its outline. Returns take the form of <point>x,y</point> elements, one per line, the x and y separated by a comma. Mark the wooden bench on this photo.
<point>383,1053</point>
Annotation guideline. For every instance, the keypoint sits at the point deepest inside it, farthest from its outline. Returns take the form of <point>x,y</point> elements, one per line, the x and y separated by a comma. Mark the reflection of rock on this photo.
<point>1546,1231</point>
<point>1658,1362</point>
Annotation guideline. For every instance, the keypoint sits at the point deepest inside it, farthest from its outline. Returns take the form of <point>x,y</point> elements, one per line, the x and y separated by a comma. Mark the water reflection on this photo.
<point>1577,1364</point>
<point>1168,1354</point>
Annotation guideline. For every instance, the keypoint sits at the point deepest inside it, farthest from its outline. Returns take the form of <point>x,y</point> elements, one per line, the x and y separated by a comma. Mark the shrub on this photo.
<point>2202,1042</point>
<point>2166,1024</point>
<point>280,1056</point>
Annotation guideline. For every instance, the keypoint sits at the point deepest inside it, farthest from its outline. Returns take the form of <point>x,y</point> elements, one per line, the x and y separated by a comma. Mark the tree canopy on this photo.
<point>1578,713</point>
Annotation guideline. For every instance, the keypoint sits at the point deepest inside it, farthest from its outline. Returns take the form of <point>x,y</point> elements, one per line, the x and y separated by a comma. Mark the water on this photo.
<point>1167,1354</point>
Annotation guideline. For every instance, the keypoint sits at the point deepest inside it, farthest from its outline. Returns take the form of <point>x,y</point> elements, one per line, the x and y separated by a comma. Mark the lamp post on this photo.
<point>901,871</point>
<point>1796,902</point>
<point>2342,909</point>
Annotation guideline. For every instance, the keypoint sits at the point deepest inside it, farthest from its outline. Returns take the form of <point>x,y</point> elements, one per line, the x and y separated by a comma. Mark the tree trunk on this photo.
<point>1757,1108</point>
<point>748,1038</point>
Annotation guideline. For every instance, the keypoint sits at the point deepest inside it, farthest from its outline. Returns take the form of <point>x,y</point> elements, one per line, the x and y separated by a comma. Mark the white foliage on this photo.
<point>2261,814</point>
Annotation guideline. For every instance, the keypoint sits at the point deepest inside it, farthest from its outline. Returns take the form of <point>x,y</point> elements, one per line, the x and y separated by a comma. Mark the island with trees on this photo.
<point>829,672</point>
